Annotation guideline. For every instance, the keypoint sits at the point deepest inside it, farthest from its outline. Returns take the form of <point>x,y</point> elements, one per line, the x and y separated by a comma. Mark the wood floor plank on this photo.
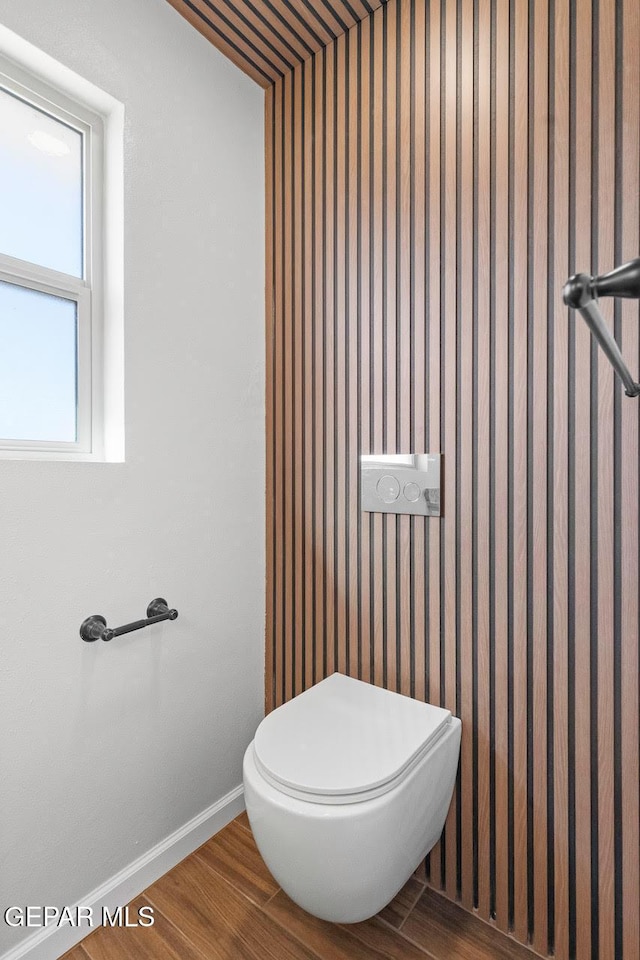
<point>371,940</point>
<point>233,854</point>
<point>243,820</point>
<point>216,919</point>
<point>452,933</point>
<point>162,941</point>
<point>375,934</point>
<point>396,912</point>
<point>77,953</point>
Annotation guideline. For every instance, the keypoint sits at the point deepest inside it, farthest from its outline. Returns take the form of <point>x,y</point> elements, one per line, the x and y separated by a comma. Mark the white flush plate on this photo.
<point>401,483</point>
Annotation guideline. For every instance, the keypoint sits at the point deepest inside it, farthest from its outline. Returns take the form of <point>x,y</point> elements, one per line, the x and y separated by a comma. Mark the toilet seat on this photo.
<point>345,741</point>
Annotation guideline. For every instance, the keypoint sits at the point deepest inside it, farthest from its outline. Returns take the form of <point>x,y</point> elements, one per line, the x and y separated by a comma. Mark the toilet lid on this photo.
<point>344,740</point>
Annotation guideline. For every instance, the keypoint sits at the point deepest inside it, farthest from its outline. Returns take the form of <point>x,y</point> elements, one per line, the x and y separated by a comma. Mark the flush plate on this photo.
<point>401,483</point>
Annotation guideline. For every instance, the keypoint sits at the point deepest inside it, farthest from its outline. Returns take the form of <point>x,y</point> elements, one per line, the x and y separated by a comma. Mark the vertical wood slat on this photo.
<point>604,502</point>
<point>330,585</point>
<point>427,126</point>
<point>404,391</point>
<point>390,522</point>
<point>288,467</point>
<point>518,389</point>
<point>560,551</point>
<point>341,328</point>
<point>278,388</point>
<point>297,334</point>
<point>309,533</point>
<point>418,332</point>
<point>482,505</point>
<point>464,545</point>
<point>580,490</point>
<point>500,466</point>
<point>433,323</point>
<point>269,266</point>
<point>449,438</point>
<point>538,472</point>
<point>628,786</point>
<point>353,350</point>
<point>318,372</point>
<point>377,354</point>
<point>364,293</point>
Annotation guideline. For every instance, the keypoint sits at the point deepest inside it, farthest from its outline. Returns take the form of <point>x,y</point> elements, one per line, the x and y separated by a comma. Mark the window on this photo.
<point>52,385</point>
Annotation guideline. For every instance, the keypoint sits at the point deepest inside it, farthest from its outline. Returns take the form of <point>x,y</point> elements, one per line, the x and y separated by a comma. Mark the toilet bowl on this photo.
<point>347,788</point>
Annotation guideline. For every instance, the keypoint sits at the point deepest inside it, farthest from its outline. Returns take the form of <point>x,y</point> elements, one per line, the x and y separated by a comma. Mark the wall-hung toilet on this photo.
<point>347,788</point>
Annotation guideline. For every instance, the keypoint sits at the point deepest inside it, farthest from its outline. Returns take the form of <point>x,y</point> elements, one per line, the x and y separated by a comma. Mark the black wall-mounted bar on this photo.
<point>95,627</point>
<point>581,292</point>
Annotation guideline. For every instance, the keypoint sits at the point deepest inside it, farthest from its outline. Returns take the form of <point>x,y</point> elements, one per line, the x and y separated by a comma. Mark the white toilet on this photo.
<point>347,788</point>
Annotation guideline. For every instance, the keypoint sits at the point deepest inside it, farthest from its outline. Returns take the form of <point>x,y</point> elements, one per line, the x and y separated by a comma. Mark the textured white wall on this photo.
<point>107,748</point>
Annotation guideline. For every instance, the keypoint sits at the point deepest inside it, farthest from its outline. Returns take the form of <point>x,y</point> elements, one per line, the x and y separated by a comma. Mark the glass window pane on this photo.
<point>38,365</point>
<point>40,187</point>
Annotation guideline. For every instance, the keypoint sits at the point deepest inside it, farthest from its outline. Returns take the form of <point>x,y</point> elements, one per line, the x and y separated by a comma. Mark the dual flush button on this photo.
<point>389,490</point>
<point>401,483</point>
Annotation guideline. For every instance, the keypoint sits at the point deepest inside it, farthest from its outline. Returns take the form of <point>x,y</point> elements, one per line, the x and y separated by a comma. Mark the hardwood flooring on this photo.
<point>221,903</point>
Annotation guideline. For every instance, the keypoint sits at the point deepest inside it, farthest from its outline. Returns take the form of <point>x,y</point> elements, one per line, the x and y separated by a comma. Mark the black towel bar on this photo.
<point>95,627</point>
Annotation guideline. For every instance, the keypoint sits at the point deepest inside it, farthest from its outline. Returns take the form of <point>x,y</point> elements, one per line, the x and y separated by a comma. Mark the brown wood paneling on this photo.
<point>268,38</point>
<point>465,158</point>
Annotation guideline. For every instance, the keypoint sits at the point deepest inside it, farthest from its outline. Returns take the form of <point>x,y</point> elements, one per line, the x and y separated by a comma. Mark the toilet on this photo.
<point>347,788</point>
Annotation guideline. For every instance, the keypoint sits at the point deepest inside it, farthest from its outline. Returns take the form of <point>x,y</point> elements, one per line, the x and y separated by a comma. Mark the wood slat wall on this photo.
<point>433,176</point>
<point>267,38</point>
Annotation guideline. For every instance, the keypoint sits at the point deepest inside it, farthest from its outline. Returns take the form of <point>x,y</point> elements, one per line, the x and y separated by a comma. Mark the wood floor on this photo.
<point>221,903</point>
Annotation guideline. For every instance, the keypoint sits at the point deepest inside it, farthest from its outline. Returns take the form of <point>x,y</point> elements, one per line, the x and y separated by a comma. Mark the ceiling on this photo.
<point>266,38</point>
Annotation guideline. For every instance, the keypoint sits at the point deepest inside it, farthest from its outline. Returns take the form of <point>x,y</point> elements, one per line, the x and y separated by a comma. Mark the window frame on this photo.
<point>86,291</point>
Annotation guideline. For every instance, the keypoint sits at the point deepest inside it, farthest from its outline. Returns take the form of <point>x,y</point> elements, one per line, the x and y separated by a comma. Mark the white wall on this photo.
<point>105,749</point>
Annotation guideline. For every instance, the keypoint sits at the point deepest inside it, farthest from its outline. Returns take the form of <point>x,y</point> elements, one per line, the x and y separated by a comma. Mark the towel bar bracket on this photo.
<point>581,292</point>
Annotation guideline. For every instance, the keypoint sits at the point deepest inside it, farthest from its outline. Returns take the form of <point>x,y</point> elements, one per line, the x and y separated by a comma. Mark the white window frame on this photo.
<point>85,291</point>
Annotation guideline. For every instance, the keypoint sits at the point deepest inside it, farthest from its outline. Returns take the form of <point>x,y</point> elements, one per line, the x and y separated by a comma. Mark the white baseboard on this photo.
<point>50,943</point>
